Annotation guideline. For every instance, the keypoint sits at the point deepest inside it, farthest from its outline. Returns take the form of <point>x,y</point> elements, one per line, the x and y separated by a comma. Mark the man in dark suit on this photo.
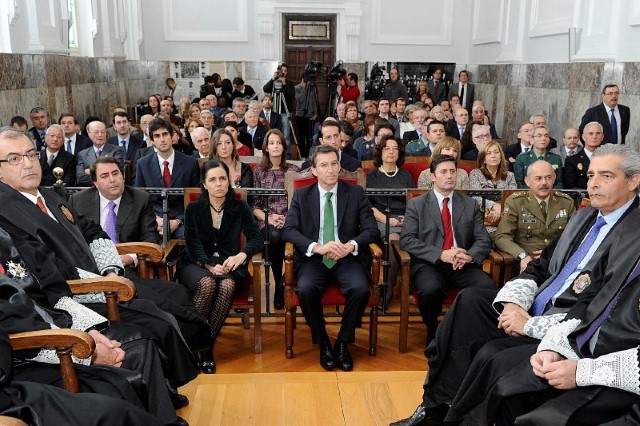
<point>40,120</point>
<point>438,87</point>
<point>577,166</point>
<point>418,119</point>
<point>54,156</point>
<point>464,90</point>
<point>330,135</point>
<point>129,142</point>
<point>610,115</point>
<point>331,225</point>
<point>254,128</point>
<point>444,234</point>
<point>272,117</point>
<point>98,133</point>
<point>177,171</point>
<point>569,146</point>
<point>455,128</point>
<point>523,144</point>
<point>73,142</point>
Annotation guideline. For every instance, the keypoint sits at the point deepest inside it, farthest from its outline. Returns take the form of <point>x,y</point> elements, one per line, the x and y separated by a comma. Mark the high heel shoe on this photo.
<point>207,363</point>
<point>278,295</point>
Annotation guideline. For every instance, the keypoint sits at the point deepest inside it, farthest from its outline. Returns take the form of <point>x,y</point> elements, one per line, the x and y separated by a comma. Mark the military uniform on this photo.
<point>524,160</point>
<point>418,147</point>
<point>575,171</point>
<point>524,228</point>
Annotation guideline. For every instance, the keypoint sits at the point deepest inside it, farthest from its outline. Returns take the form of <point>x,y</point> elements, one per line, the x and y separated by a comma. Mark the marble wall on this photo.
<point>514,92</point>
<point>84,86</point>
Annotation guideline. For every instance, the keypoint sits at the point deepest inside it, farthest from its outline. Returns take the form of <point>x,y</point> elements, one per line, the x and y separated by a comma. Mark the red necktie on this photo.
<point>40,204</point>
<point>446,224</point>
<point>166,175</point>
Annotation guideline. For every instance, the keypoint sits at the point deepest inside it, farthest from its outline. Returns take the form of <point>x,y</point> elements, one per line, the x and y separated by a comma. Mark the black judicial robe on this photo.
<point>53,249</point>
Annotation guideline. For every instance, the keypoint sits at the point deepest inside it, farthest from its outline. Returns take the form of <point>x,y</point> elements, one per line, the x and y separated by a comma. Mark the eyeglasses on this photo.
<point>17,159</point>
<point>487,136</point>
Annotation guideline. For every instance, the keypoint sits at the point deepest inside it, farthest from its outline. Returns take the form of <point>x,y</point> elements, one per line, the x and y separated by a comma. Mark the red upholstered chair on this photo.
<point>332,296</point>
<point>493,265</point>
<point>467,165</point>
<point>416,165</point>
<point>247,298</point>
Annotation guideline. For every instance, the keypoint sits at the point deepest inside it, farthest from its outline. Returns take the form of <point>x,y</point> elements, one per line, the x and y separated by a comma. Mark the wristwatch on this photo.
<point>522,255</point>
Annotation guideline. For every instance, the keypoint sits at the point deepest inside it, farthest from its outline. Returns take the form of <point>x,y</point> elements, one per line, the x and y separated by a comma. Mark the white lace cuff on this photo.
<point>49,356</point>
<point>537,327</point>
<point>518,291</point>
<point>105,254</point>
<point>82,317</point>
<point>618,370</point>
<point>97,297</point>
<point>556,339</point>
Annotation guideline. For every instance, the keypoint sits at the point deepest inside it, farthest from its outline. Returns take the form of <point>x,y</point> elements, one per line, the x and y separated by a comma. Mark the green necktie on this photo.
<point>327,229</point>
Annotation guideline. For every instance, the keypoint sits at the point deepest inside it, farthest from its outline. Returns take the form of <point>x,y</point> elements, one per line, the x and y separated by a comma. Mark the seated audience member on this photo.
<point>527,306</point>
<point>570,145</point>
<point>467,142</point>
<point>241,90</point>
<point>213,265</point>
<point>351,115</point>
<point>206,117</point>
<point>341,111</point>
<point>183,110</point>
<point>444,257</point>
<point>166,106</point>
<point>74,142</point>
<point>451,147</point>
<point>144,130</point>
<point>19,122</point>
<point>577,166</point>
<point>346,138</point>
<point>338,252</point>
<point>254,128</point>
<point>202,142</point>
<point>422,146</point>
<point>169,169</point>
<point>479,114</point>
<point>40,120</point>
<point>54,157</point>
<point>239,106</point>
<point>492,173</point>
<point>194,111</point>
<point>382,128</point>
<point>523,145</point>
<point>455,128</point>
<point>438,114</point>
<point>97,132</point>
<point>539,151</point>
<point>541,120</point>
<point>400,106</point>
<point>480,135</point>
<point>242,149</point>
<point>272,117</point>
<point>418,116</point>
<point>384,108</point>
<point>270,174</point>
<point>388,157</point>
<point>223,149</point>
<point>153,105</point>
<point>446,111</point>
<point>213,103</point>
<point>365,142</point>
<point>534,218</point>
<point>330,135</point>
<point>129,142</point>
<point>189,126</point>
<point>180,143</point>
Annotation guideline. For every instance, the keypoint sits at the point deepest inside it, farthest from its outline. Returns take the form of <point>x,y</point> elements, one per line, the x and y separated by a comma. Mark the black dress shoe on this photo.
<point>179,422</point>
<point>425,416</point>
<point>178,401</point>
<point>343,358</point>
<point>208,367</point>
<point>327,360</point>
<point>278,295</point>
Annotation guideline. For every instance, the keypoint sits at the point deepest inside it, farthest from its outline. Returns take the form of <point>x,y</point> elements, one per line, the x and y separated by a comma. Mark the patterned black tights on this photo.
<point>213,299</point>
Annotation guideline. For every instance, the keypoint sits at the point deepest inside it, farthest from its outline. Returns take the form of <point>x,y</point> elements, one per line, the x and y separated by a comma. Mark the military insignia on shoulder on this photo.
<point>582,282</point>
<point>505,212</point>
<point>16,270</point>
<point>65,211</point>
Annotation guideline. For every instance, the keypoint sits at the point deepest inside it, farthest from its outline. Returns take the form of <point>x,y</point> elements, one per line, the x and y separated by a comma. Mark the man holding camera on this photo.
<point>349,90</point>
<point>281,84</point>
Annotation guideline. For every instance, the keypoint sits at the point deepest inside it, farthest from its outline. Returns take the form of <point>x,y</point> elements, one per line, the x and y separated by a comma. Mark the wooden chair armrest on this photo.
<point>124,287</point>
<point>288,264</point>
<point>11,421</point>
<point>404,255</point>
<point>152,251</point>
<point>376,251</point>
<point>81,343</point>
<point>172,250</point>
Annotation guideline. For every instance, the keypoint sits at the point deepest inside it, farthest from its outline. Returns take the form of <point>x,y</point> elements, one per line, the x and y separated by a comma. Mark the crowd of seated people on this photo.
<point>161,151</point>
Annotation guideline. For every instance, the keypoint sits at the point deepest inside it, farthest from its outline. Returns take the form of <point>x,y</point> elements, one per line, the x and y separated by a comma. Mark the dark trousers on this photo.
<point>431,283</point>
<point>313,277</point>
<point>276,251</point>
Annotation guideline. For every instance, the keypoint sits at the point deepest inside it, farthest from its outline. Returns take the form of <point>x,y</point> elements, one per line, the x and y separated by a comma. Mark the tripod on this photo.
<point>280,104</point>
<point>333,98</point>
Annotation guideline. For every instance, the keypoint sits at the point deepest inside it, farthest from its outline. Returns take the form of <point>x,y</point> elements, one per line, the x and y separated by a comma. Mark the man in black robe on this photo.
<point>80,249</point>
<point>511,322</point>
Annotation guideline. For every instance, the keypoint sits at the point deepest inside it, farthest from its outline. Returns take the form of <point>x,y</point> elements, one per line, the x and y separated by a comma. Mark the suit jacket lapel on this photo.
<point>156,171</point>
<point>343,199</point>
<point>94,212</point>
<point>178,170</point>
<point>124,210</point>
<point>434,210</point>
<point>458,209</point>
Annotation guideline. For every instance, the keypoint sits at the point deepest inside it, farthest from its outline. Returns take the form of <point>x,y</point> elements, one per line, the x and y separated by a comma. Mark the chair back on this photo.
<point>415,169</point>
<point>367,165</point>
<point>467,165</point>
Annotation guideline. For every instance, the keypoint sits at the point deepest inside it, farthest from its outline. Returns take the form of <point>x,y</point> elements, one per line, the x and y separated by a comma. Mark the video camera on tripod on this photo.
<point>337,72</point>
<point>311,71</point>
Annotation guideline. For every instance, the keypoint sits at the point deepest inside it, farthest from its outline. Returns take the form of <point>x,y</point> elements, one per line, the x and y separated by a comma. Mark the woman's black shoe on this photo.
<point>208,367</point>
<point>278,296</point>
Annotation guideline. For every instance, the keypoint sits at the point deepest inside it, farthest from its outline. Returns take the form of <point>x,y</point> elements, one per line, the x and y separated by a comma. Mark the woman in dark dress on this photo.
<point>213,264</point>
<point>388,156</point>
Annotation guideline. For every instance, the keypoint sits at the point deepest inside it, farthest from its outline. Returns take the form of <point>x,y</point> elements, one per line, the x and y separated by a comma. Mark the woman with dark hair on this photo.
<point>388,157</point>
<point>492,173</point>
<point>224,99</point>
<point>365,142</point>
<point>467,137</point>
<point>241,90</point>
<point>180,143</point>
<point>270,174</point>
<point>233,128</point>
<point>213,265</point>
<point>223,149</point>
<point>153,105</point>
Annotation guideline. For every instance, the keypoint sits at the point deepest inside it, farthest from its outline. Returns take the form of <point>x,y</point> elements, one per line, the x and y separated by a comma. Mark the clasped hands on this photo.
<point>108,352</point>
<point>557,371</point>
<point>513,319</point>
<point>230,264</point>
<point>334,250</point>
<point>457,257</point>
<point>276,220</point>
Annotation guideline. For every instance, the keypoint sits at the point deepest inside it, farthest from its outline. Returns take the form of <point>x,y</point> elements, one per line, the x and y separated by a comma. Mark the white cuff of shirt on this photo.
<point>355,250</point>
<point>309,252</point>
